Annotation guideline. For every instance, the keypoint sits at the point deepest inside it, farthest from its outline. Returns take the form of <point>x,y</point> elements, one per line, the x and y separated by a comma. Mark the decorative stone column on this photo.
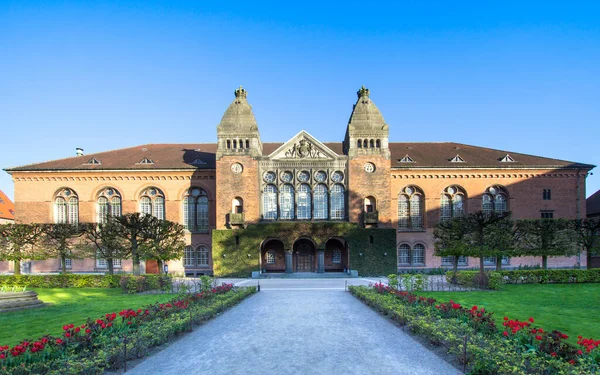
<point>320,261</point>
<point>289,262</point>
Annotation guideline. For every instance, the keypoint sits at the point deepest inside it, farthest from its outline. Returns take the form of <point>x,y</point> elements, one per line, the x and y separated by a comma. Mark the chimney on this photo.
<point>79,151</point>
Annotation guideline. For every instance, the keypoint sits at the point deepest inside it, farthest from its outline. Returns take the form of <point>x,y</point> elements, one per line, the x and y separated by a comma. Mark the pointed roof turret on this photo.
<point>239,117</point>
<point>365,114</point>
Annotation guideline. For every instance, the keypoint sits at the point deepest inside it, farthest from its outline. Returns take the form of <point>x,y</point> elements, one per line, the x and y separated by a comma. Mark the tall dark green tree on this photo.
<point>450,239</point>
<point>547,238</point>
<point>62,241</point>
<point>104,241</point>
<point>587,234</point>
<point>18,242</point>
<point>502,238</point>
<point>134,230</point>
<point>165,241</point>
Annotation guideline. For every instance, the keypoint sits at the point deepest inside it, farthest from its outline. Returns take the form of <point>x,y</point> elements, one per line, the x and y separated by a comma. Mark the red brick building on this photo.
<point>238,181</point>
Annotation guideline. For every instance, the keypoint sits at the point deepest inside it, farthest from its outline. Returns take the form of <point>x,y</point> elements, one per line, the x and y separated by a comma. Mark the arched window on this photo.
<point>188,257</point>
<point>195,210</point>
<point>270,202</point>
<point>66,207</point>
<point>286,202</point>
<point>228,144</point>
<point>338,211</point>
<point>152,202</point>
<point>371,144</point>
<point>241,144</point>
<point>370,204</point>
<point>404,255</point>
<point>410,208</point>
<point>378,143</point>
<point>237,205</point>
<point>418,255</point>
<point>320,202</point>
<point>365,143</point>
<point>234,143</point>
<point>359,143</point>
<point>304,202</point>
<point>494,200</point>
<point>247,143</point>
<point>202,256</point>
<point>452,203</point>
<point>108,204</point>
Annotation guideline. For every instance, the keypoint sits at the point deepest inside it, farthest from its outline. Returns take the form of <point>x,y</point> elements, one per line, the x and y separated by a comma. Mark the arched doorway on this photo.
<point>336,255</point>
<point>272,256</point>
<point>304,256</point>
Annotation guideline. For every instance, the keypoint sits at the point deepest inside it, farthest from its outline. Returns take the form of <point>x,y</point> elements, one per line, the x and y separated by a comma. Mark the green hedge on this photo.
<point>495,279</point>
<point>62,281</point>
<point>239,257</point>
<point>136,284</point>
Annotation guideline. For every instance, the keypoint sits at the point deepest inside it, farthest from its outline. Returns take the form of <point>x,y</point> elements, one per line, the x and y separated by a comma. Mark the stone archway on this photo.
<point>304,256</point>
<point>272,256</point>
<point>336,255</point>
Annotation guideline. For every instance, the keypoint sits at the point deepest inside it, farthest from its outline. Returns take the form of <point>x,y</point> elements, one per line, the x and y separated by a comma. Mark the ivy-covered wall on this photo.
<point>237,252</point>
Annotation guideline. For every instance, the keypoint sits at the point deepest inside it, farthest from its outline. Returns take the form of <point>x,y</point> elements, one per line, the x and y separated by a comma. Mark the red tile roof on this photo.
<point>7,207</point>
<point>202,156</point>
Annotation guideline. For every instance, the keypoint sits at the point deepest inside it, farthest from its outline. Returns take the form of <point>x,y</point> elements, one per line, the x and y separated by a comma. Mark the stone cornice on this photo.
<point>112,178</point>
<point>487,175</point>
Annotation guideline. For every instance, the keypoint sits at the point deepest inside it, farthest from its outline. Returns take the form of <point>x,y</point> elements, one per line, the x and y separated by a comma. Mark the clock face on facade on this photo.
<point>303,176</point>
<point>269,177</point>
<point>369,167</point>
<point>286,176</point>
<point>320,176</point>
<point>337,176</point>
<point>237,168</point>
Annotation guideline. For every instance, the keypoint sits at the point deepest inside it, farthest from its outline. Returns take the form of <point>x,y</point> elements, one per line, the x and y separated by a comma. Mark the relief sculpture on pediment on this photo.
<point>303,149</point>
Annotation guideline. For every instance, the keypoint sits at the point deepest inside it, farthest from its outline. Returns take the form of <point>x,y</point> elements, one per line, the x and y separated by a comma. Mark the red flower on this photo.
<point>534,330</point>
<point>88,331</point>
<point>553,354</point>
<point>579,352</point>
<point>67,334</point>
<point>71,326</point>
<point>531,320</point>
<point>505,333</point>
<point>77,329</point>
<point>59,341</point>
<point>128,323</point>
<point>505,318</point>
<point>66,328</point>
<point>572,361</point>
<point>538,337</point>
<point>2,356</point>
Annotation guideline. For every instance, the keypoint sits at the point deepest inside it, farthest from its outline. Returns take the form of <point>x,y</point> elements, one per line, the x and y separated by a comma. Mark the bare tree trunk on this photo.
<point>111,269</point>
<point>63,264</point>
<point>545,262</point>
<point>498,263</point>
<point>136,264</point>
<point>481,266</point>
<point>588,259</point>
<point>17,264</point>
<point>454,268</point>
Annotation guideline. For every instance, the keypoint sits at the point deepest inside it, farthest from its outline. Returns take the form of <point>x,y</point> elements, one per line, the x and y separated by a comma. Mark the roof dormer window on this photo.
<point>457,159</point>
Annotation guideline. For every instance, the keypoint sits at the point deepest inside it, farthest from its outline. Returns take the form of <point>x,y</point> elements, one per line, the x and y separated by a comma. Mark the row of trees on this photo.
<point>496,235</point>
<point>132,236</point>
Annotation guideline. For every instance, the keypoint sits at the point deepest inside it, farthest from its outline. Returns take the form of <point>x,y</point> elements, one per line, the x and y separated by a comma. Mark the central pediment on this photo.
<point>303,146</point>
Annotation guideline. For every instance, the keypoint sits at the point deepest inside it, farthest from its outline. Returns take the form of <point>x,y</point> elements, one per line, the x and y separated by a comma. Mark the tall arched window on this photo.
<point>404,255</point>
<point>304,202</point>
<point>286,202</point>
<point>338,211</point>
<point>66,207</point>
<point>195,210</point>
<point>270,202</point>
<point>202,256</point>
<point>152,202</point>
<point>494,200</point>
<point>410,208</point>
<point>378,143</point>
<point>188,257</point>
<point>414,256</point>
<point>418,255</point>
<point>108,204</point>
<point>370,204</point>
<point>320,202</point>
<point>237,205</point>
<point>359,143</point>
<point>452,203</point>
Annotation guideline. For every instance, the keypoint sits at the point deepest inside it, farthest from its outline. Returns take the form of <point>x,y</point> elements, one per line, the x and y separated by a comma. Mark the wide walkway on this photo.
<point>313,328</point>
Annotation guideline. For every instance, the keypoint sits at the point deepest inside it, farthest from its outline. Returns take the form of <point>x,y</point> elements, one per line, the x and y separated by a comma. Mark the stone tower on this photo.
<point>238,147</point>
<point>367,146</point>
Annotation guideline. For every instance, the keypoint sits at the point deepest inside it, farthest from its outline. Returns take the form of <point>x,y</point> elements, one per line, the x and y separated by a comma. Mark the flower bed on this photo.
<point>107,342</point>
<point>471,336</point>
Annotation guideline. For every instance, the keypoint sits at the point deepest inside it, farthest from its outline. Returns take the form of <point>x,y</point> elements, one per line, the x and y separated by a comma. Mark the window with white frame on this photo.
<point>414,256</point>
<point>195,210</point>
<point>68,262</point>
<point>338,211</point>
<point>152,202</point>
<point>270,257</point>
<point>188,256</point>
<point>404,255</point>
<point>103,263</point>
<point>286,202</point>
<point>66,207</point>
<point>108,203</point>
<point>336,257</point>
<point>418,255</point>
<point>410,208</point>
<point>449,261</point>
<point>237,205</point>
<point>202,256</point>
<point>270,202</point>
<point>489,261</point>
<point>452,203</point>
<point>494,200</point>
<point>304,202</point>
<point>320,202</point>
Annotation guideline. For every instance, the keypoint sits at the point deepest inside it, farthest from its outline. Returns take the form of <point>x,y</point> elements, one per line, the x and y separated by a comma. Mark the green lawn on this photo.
<point>569,308</point>
<point>71,305</point>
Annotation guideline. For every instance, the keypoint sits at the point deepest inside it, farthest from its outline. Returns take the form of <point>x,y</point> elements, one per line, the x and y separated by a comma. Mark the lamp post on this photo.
<point>166,268</point>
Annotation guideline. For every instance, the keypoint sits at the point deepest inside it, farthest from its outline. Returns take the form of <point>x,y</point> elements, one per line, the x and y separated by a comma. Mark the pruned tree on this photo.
<point>502,238</point>
<point>449,239</point>
<point>164,241</point>
<point>18,242</point>
<point>547,238</point>
<point>587,234</point>
<point>134,230</point>
<point>484,230</point>
<point>104,241</point>
<point>61,240</point>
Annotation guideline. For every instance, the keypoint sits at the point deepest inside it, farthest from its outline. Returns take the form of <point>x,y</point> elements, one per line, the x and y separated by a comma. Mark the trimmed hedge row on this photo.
<point>495,279</point>
<point>129,283</point>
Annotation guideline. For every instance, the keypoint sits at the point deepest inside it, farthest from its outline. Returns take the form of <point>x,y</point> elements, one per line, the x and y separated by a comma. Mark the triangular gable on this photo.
<point>303,146</point>
<point>457,159</point>
<point>507,159</point>
<point>406,159</point>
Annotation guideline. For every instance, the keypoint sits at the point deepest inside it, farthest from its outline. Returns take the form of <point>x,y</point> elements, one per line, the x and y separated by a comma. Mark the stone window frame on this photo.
<point>453,202</point>
<point>196,210</point>
<point>66,206</point>
<point>152,203</point>
<point>108,203</point>
<point>495,199</point>
<point>407,254</point>
<point>270,257</point>
<point>411,218</point>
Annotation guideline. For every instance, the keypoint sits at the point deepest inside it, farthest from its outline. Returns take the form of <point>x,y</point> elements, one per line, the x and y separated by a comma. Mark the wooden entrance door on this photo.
<point>304,256</point>
<point>304,262</point>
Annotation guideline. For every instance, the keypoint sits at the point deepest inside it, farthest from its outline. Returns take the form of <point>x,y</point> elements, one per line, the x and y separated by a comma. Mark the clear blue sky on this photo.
<point>521,76</point>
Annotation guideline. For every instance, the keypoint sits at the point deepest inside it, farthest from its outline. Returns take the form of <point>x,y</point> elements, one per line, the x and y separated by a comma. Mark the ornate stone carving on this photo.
<point>304,149</point>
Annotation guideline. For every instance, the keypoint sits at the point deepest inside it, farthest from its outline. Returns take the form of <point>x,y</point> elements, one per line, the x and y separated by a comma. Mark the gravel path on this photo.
<point>296,332</point>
